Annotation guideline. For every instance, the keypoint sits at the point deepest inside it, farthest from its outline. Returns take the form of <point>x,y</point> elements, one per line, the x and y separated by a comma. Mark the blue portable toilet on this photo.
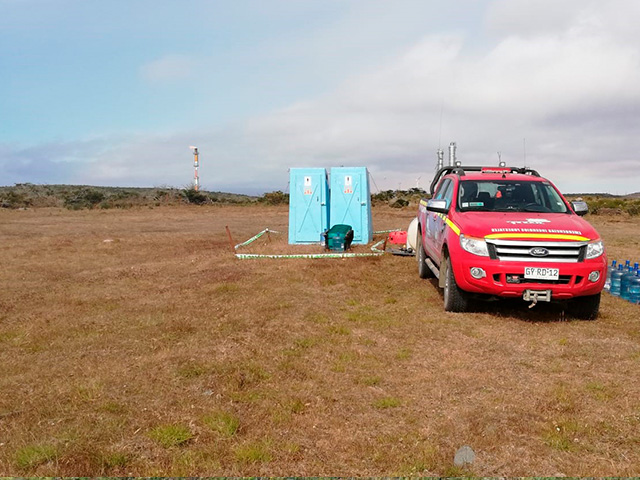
<point>351,201</point>
<point>308,205</point>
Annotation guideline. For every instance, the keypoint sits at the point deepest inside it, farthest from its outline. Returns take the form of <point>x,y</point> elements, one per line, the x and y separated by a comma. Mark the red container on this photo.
<point>398,238</point>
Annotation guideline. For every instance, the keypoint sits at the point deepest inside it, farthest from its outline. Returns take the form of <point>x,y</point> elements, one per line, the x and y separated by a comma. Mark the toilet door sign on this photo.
<point>348,184</point>
<point>307,186</point>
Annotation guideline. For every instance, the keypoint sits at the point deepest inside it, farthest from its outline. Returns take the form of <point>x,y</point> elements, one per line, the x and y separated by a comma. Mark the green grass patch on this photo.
<point>404,354</point>
<point>562,399</point>
<point>249,374</point>
<point>33,455</point>
<point>560,435</point>
<point>224,423</point>
<point>344,359</point>
<point>113,407</point>
<point>426,460</point>
<point>247,396</point>
<point>339,330</point>
<point>387,402</point>
<point>191,370</point>
<point>305,343</point>
<point>227,288</point>
<point>253,452</point>
<point>317,318</point>
<point>296,406</point>
<point>598,390</point>
<point>7,336</point>
<point>371,381</point>
<point>171,435</point>
<point>114,460</point>
<point>367,315</point>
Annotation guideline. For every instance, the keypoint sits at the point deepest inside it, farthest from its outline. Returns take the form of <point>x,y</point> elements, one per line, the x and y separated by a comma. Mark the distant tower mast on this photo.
<point>196,179</point>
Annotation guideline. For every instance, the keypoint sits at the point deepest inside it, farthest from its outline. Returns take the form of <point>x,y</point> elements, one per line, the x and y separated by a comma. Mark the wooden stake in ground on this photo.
<point>231,243</point>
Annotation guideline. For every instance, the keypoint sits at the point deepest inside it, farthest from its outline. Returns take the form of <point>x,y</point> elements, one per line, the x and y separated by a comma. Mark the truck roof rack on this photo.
<point>462,169</point>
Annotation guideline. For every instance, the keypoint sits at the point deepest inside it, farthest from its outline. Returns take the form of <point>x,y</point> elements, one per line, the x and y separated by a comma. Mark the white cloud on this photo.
<point>564,75</point>
<point>562,89</point>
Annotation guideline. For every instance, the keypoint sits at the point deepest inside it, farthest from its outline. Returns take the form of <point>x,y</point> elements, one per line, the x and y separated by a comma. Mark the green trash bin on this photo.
<point>338,237</point>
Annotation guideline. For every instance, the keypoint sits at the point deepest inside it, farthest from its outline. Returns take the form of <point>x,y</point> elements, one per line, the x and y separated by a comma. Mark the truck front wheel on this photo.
<point>455,300</point>
<point>585,308</point>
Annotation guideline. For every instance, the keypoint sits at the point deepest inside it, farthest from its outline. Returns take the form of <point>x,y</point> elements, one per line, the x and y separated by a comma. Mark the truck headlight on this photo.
<point>477,246</point>
<point>595,249</point>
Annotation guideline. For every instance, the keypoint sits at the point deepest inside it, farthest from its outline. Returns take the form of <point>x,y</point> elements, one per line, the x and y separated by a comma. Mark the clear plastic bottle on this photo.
<point>610,269</point>
<point>634,288</point>
<point>616,277</point>
<point>625,281</point>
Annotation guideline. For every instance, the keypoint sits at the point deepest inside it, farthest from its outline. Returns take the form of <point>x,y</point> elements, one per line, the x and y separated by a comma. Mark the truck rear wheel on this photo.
<point>455,300</point>
<point>585,308</point>
<point>423,269</point>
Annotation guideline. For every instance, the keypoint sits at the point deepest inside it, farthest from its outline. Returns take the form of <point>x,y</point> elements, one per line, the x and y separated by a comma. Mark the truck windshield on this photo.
<point>509,196</point>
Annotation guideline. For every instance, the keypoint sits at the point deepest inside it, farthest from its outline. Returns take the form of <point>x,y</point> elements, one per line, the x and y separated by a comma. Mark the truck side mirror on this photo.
<point>438,206</point>
<point>581,208</point>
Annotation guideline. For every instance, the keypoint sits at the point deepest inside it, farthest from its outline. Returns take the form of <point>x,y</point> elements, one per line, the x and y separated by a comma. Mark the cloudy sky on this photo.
<point>113,92</point>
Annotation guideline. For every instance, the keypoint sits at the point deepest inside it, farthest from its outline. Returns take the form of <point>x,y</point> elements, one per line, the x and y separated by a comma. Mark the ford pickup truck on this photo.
<point>508,232</point>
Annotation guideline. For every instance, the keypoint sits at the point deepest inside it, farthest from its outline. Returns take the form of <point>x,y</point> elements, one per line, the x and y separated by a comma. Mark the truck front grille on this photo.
<point>529,251</point>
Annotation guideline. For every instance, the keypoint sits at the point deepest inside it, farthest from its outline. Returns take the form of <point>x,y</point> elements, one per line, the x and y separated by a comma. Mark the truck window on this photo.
<point>446,183</point>
<point>509,195</point>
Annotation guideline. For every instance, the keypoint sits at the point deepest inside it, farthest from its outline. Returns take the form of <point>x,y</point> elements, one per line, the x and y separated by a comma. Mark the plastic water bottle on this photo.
<point>634,289</point>
<point>616,277</point>
<point>625,281</point>
<point>610,269</point>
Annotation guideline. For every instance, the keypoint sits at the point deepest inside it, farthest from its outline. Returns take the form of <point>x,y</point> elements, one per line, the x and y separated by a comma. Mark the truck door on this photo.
<point>439,234</point>
<point>435,223</point>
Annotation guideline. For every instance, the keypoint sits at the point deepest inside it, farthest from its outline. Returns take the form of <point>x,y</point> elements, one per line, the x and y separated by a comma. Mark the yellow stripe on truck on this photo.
<point>548,236</point>
<point>452,226</point>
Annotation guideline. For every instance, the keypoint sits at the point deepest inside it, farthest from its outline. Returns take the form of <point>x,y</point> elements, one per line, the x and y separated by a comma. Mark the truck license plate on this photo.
<point>541,273</point>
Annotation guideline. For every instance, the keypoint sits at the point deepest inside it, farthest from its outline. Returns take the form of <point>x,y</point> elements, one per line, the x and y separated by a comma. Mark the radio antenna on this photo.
<point>524,151</point>
<point>440,132</point>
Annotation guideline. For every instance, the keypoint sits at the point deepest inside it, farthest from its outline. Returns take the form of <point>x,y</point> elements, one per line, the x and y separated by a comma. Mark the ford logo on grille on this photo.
<point>539,252</point>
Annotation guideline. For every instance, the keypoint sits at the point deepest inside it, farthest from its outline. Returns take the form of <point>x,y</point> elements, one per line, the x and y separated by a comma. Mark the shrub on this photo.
<point>83,198</point>
<point>275,198</point>
<point>13,199</point>
<point>194,196</point>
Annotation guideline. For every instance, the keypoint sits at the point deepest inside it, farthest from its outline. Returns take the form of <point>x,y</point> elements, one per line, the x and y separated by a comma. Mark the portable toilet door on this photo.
<point>351,201</point>
<point>308,205</point>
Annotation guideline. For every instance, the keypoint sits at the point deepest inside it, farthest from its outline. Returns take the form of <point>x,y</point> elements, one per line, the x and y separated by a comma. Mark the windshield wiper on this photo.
<point>534,207</point>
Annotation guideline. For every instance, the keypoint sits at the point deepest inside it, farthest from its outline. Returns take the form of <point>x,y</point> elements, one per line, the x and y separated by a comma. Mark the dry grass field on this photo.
<point>132,342</point>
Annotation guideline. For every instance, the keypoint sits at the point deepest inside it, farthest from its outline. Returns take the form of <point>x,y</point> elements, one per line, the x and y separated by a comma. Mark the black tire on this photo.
<point>585,308</point>
<point>423,269</point>
<point>455,300</point>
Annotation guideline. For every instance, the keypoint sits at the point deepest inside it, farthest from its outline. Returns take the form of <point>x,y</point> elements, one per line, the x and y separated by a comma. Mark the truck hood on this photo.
<point>525,225</point>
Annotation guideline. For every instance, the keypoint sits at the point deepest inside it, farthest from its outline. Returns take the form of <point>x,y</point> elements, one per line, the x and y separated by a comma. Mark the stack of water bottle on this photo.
<point>624,281</point>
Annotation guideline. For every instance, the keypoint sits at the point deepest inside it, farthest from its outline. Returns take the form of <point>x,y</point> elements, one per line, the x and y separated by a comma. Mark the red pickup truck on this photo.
<point>508,232</point>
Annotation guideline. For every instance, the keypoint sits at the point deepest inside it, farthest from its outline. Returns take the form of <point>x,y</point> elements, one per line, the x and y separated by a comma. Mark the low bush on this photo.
<point>83,198</point>
<point>275,198</point>
<point>194,196</point>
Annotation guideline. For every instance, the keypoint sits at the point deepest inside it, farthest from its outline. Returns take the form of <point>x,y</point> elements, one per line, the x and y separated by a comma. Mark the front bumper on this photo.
<point>506,279</point>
